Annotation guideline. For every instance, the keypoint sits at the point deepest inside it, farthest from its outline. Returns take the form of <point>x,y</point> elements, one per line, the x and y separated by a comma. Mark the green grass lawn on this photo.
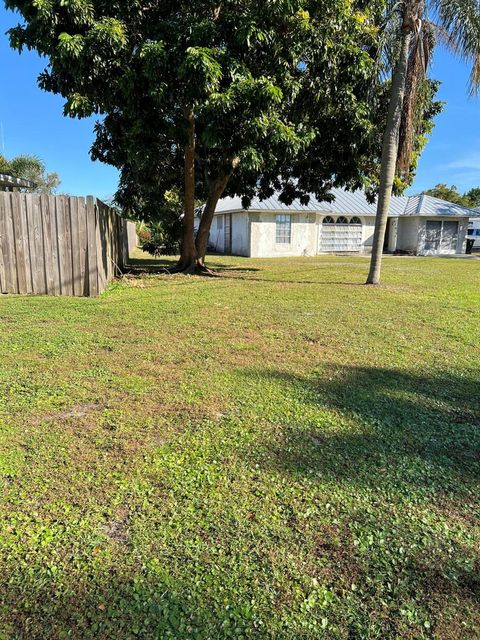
<point>276,453</point>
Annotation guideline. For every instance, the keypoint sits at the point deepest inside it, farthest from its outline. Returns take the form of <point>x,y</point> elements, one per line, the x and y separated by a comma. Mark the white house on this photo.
<point>419,225</point>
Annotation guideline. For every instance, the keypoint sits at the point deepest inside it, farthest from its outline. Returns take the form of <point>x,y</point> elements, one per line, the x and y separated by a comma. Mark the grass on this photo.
<point>279,453</point>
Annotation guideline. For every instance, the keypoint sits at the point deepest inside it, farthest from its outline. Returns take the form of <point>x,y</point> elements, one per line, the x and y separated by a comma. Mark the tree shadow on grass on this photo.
<point>396,454</point>
<point>138,266</point>
<point>397,432</point>
<point>280,281</point>
<point>106,606</point>
<point>384,425</point>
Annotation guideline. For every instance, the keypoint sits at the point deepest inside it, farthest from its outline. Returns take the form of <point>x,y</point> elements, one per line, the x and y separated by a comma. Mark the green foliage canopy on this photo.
<point>469,199</point>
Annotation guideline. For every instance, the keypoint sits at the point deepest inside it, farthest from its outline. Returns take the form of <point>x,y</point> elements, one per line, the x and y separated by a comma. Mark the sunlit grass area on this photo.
<point>279,452</point>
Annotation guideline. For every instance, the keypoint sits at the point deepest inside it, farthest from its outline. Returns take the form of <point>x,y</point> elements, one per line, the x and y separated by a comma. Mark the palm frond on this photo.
<point>420,56</point>
<point>389,41</point>
<point>461,19</point>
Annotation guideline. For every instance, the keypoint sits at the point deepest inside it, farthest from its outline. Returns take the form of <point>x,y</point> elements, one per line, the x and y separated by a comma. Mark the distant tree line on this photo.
<point>469,199</point>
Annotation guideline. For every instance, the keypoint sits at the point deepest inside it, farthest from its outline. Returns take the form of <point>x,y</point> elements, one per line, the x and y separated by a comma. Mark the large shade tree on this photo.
<point>213,98</point>
<point>416,26</point>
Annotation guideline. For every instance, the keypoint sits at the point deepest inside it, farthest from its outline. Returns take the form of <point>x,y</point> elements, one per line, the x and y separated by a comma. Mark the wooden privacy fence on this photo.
<point>59,245</point>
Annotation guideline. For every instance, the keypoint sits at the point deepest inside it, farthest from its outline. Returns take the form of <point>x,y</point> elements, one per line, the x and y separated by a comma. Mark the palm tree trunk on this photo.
<point>188,255</point>
<point>390,154</point>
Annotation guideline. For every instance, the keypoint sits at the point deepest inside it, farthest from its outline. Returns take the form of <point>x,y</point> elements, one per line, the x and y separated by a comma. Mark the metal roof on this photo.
<point>17,183</point>
<point>354,202</point>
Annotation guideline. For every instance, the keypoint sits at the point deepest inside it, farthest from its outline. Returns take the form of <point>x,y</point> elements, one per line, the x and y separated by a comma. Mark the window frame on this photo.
<point>283,228</point>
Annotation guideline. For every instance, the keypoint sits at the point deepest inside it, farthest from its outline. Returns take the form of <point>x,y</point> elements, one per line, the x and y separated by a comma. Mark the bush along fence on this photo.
<point>59,245</point>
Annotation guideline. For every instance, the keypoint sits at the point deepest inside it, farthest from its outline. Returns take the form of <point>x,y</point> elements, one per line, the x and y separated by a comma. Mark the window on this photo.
<point>220,223</point>
<point>328,220</point>
<point>355,220</point>
<point>342,220</point>
<point>283,229</point>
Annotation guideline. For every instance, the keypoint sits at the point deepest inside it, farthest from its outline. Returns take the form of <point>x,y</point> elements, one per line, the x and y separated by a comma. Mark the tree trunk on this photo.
<point>203,232</point>
<point>390,154</point>
<point>188,255</point>
<point>216,191</point>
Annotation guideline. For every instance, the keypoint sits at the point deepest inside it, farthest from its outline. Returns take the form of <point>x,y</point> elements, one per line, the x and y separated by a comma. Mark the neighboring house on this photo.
<point>419,225</point>
<point>474,229</point>
<point>9,183</point>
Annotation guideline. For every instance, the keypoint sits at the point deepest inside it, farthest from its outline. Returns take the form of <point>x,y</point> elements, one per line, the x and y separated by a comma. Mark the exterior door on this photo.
<point>433,235</point>
<point>449,236</point>
<point>227,238</point>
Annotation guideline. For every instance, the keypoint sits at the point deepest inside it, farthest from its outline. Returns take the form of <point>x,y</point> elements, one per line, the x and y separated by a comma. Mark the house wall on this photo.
<point>263,232</point>
<point>407,234</point>
<point>368,227</point>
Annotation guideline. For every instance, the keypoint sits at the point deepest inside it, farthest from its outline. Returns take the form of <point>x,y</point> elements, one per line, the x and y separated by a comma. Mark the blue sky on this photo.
<point>31,121</point>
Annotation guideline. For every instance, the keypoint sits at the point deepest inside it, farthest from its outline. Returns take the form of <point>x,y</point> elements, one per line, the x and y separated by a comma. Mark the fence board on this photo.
<point>92,262</point>
<point>83,238</point>
<point>72,207</point>
<point>28,243</point>
<point>18,233</point>
<point>34,212</point>
<point>3,283</point>
<point>101,240</point>
<point>8,247</point>
<point>57,209</point>
<point>65,246</point>
<point>22,259</point>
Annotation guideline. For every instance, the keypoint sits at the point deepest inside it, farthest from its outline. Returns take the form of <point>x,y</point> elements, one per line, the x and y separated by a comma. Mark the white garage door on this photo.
<point>340,235</point>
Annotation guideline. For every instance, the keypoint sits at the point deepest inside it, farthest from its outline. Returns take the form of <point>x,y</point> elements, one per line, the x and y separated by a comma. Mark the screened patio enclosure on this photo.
<point>441,236</point>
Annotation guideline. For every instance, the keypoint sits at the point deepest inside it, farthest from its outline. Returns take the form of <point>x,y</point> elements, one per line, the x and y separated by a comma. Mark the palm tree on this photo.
<point>418,25</point>
<point>32,168</point>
